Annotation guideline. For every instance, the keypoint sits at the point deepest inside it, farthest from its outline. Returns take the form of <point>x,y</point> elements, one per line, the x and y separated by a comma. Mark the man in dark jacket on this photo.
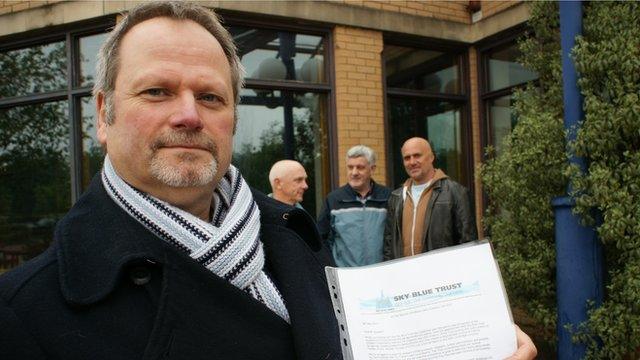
<point>169,254</point>
<point>430,211</point>
<point>353,217</point>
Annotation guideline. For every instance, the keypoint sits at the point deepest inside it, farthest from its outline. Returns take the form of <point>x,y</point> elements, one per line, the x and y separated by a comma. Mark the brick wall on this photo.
<point>445,10</point>
<point>490,8</point>
<point>359,97</point>
<point>8,6</point>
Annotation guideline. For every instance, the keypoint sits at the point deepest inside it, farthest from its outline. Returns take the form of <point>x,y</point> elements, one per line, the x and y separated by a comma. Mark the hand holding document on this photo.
<point>446,304</point>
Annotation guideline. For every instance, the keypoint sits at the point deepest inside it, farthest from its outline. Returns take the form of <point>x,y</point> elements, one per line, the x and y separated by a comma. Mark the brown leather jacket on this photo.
<point>450,217</point>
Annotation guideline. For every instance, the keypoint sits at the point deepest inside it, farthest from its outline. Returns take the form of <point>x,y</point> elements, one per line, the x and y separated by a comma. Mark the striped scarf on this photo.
<point>229,246</point>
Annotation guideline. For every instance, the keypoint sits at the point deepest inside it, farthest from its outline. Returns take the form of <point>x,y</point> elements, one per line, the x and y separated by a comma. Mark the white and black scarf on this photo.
<point>229,246</point>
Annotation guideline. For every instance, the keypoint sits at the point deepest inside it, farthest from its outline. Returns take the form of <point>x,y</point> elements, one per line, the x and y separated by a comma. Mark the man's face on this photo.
<point>293,185</point>
<point>174,109</point>
<point>359,173</point>
<point>418,160</point>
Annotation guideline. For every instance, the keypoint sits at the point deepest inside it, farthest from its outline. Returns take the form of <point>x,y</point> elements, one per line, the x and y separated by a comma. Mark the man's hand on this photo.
<point>526,349</point>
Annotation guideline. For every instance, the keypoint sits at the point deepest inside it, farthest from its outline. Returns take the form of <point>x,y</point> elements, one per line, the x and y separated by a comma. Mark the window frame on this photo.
<point>234,18</point>
<point>500,40</point>
<point>72,93</point>
<point>463,99</point>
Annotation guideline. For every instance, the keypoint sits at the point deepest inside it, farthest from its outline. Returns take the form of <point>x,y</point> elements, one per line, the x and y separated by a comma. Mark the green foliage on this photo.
<point>608,60</point>
<point>34,148</point>
<point>524,178</point>
<point>527,175</point>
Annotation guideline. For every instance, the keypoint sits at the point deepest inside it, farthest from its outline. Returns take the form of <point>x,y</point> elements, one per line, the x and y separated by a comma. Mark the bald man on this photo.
<point>288,182</point>
<point>430,211</point>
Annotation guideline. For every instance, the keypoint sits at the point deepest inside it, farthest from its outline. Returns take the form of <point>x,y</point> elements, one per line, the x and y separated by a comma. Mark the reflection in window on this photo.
<point>89,47</point>
<point>501,120</point>
<point>504,74</point>
<point>37,141</point>
<point>276,125</point>
<point>437,121</point>
<point>505,71</point>
<point>36,69</point>
<point>92,154</point>
<point>34,178</point>
<point>417,69</point>
<point>280,55</point>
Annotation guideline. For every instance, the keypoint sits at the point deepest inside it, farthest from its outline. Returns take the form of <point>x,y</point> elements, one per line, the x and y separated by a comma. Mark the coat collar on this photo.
<point>97,240</point>
<point>434,183</point>
<point>373,194</point>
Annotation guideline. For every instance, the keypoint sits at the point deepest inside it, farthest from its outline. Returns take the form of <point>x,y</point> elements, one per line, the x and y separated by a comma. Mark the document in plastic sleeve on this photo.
<point>445,304</point>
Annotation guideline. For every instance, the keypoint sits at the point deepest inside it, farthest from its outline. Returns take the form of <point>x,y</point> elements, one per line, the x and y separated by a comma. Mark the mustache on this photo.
<point>185,138</point>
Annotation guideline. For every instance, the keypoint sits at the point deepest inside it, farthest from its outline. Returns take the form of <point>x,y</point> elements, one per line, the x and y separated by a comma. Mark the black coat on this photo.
<point>107,288</point>
<point>450,219</point>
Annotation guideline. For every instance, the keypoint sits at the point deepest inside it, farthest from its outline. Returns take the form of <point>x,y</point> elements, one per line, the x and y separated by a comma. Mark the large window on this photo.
<point>48,150</point>
<point>284,109</point>
<point>426,97</point>
<point>502,74</point>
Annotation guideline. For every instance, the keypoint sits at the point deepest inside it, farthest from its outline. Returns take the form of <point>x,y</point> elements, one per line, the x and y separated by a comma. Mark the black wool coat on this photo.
<point>108,288</point>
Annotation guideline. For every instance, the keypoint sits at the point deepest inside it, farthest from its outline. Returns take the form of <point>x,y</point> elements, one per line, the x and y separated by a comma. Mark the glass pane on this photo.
<point>505,71</point>
<point>437,121</point>
<point>89,46</point>
<point>35,69</point>
<point>35,190</point>
<point>501,120</point>
<point>92,154</point>
<point>418,69</point>
<point>280,55</point>
<point>261,139</point>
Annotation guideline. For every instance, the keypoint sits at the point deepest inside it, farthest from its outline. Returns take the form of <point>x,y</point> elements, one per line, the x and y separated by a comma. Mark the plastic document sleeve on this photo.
<point>447,304</point>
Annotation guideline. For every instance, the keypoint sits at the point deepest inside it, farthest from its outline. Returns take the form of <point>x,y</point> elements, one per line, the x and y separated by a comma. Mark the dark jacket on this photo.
<point>108,288</point>
<point>353,228</point>
<point>449,216</point>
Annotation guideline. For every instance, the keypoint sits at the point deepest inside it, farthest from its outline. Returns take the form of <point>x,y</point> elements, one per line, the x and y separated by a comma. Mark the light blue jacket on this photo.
<point>353,227</point>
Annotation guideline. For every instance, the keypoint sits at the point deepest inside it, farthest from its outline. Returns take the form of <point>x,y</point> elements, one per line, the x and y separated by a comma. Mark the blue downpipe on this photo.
<point>578,250</point>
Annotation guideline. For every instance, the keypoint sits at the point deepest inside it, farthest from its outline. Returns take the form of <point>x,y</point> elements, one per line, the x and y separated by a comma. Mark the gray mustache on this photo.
<point>177,138</point>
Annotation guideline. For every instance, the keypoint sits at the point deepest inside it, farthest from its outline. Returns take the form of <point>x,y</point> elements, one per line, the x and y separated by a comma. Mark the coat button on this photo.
<point>140,275</point>
<point>285,216</point>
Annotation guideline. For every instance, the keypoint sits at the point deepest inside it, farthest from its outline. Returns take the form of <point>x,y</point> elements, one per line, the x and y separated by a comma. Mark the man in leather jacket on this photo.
<point>430,211</point>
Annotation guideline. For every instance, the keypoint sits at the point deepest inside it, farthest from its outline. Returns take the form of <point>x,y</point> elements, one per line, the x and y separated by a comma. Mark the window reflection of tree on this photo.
<point>33,70</point>
<point>92,154</point>
<point>34,150</point>
<point>255,159</point>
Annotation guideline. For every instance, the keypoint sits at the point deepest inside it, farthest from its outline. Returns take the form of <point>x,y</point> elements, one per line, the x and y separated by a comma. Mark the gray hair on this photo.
<point>108,58</point>
<point>364,151</point>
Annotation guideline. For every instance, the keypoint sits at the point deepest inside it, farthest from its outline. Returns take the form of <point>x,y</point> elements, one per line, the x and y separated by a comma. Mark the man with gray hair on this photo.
<point>353,217</point>
<point>169,254</point>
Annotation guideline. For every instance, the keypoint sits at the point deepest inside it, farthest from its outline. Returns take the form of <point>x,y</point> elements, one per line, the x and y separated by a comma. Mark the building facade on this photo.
<point>322,76</point>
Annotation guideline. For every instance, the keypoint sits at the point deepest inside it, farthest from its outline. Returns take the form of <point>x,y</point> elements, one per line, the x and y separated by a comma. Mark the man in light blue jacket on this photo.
<point>353,217</point>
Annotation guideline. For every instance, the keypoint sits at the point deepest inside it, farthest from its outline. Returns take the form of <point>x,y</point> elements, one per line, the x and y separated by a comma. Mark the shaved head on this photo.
<point>418,158</point>
<point>288,181</point>
<point>419,142</point>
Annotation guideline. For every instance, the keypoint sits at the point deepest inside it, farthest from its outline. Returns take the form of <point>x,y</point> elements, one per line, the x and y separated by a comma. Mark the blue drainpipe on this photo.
<point>578,250</point>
